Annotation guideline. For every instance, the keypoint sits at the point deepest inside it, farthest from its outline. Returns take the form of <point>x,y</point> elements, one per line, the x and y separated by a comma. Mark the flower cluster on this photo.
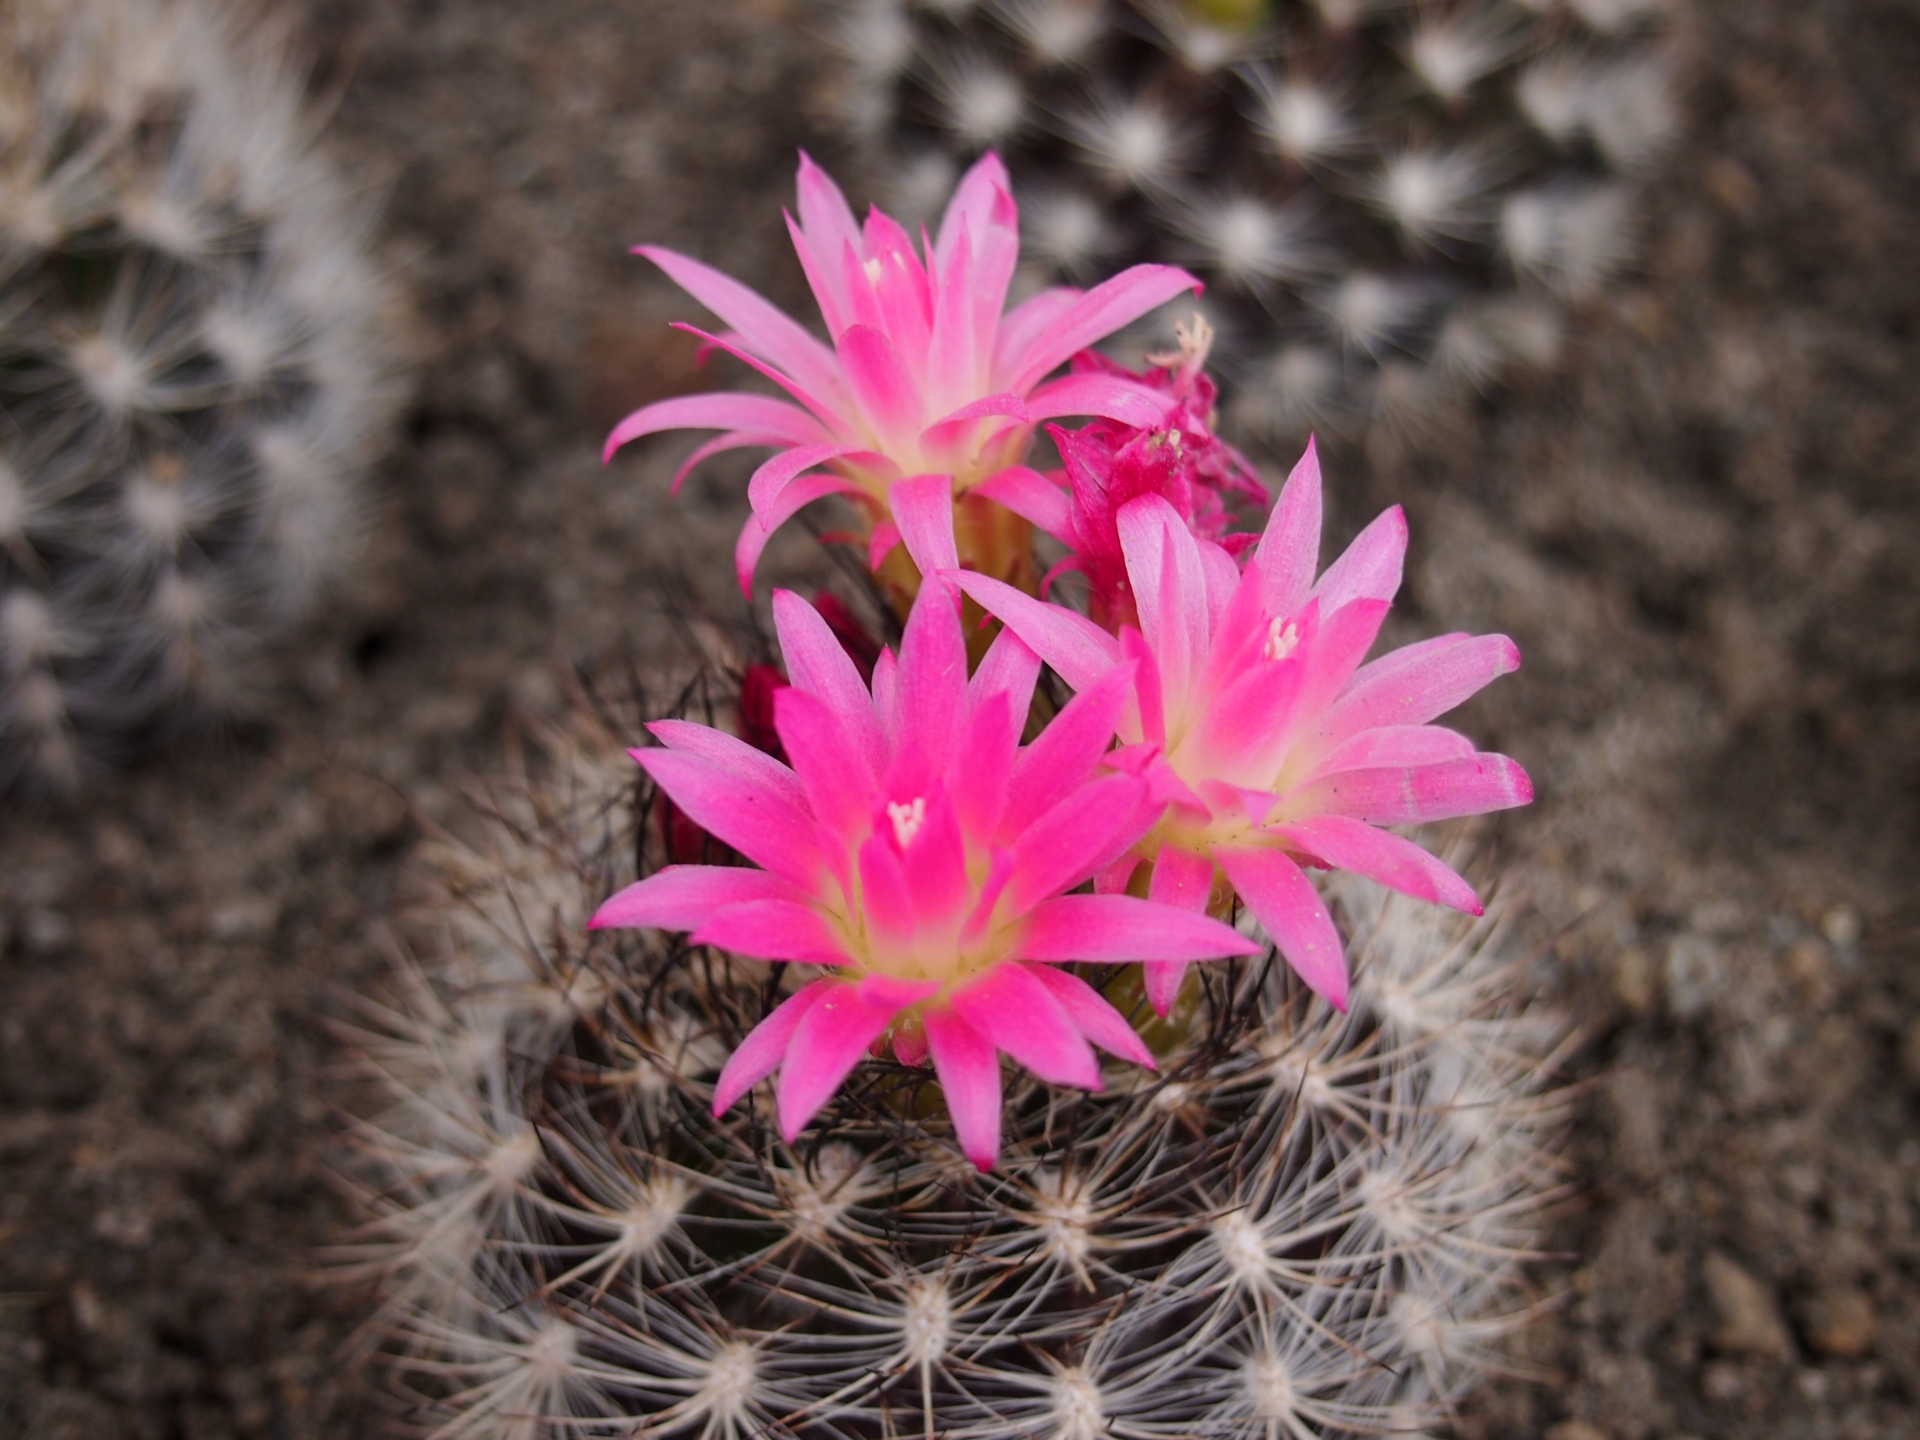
<point>1227,735</point>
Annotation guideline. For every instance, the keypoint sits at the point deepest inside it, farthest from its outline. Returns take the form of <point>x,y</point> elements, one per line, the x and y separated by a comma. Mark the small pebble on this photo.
<point>1750,1322</point>
<point>1693,974</point>
<point>1841,926</point>
<point>1841,1324</point>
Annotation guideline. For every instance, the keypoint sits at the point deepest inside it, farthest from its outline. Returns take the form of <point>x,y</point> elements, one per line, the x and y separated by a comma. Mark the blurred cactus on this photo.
<point>1305,1224</point>
<point>1391,198</point>
<point>193,369</point>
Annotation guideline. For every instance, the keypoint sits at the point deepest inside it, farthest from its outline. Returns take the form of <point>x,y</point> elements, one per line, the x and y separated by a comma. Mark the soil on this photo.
<point>1703,532</point>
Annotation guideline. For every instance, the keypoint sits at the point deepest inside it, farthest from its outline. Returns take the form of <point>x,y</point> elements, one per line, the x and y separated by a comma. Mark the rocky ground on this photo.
<point>1703,534</point>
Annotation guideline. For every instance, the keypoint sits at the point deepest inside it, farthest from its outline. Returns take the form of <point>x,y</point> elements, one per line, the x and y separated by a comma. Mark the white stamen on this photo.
<point>907,819</point>
<point>1282,636</point>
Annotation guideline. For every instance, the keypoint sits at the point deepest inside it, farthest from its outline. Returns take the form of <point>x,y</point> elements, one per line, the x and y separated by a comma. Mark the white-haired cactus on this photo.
<point>1306,1223</point>
<point>1391,198</point>
<point>194,366</point>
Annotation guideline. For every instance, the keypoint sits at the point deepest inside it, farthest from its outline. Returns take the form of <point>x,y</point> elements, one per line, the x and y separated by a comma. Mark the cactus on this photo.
<point>195,367</point>
<point>1306,1223</point>
<point>1392,198</point>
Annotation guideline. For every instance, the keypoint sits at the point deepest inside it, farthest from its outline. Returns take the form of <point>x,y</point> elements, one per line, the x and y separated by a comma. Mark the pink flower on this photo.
<point>1268,742</point>
<point>1109,462</point>
<point>925,376</point>
<point>923,856</point>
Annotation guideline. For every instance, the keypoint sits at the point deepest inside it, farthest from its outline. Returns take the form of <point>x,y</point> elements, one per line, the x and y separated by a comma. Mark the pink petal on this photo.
<point>1023,324</point>
<point>1369,568</point>
<point>881,543</point>
<point>681,897</point>
<point>1223,581</point>
<point>1289,550</point>
<point>779,471</point>
<point>923,509</point>
<point>1057,763</point>
<point>760,525</point>
<point>883,385</point>
<point>720,410</point>
<point>1287,906</point>
<point>975,205</point>
<point>969,1072</point>
<point>1412,685</point>
<point>840,790</point>
<point>1170,591</point>
<point>951,428</point>
<point>886,894</point>
<point>754,819</point>
<point>886,698</point>
<point>1184,881</point>
<point>1090,1013</point>
<point>1107,397</point>
<point>831,1039</point>
<point>1095,315</point>
<point>953,358</point>
<point>719,445</point>
<point>1076,647</point>
<point>936,870</point>
<point>1394,747</point>
<point>774,930</point>
<point>1116,929</point>
<point>760,1053</point>
<point>1009,668</point>
<point>834,409</point>
<point>1147,694</point>
<point>729,752</point>
<point>771,334</point>
<point>982,760</point>
<point>1019,1015</point>
<point>1398,864</point>
<point>910,1044</point>
<point>1088,830</point>
<point>818,663</point>
<point>1031,496</point>
<point>932,686</point>
<point>1474,786</point>
<point>826,228</point>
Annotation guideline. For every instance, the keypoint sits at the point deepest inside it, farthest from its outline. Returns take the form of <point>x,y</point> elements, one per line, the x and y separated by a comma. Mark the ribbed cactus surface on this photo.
<point>1306,1223</point>
<point>1391,198</point>
<point>193,369</point>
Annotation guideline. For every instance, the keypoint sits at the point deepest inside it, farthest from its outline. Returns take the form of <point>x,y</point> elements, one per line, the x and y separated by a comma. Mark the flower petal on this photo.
<point>719,410</point>
<point>719,445</point>
<point>983,756</point>
<point>729,752</point>
<point>1088,830</point>
<point>1289,550</point>
<point>774,930</point>
<point>829,1041</point>
<point>884,386</point>
<point>1106,397</point>
<point>1183,880</point>
<point>842,796</point>
<point>1116,929</point>
<point>1104,309</point>
<point>758,821</point>
<point>1170,591</point>
<point>1009,668</point>
<point>969,1072</point>
<point>1060,760</point>
<point>681,897</point>
<point>1347,844</point>
<point>923,509</point>
<point>1287,906</point>
<point>1393,746</point>
<point>769,332</point>
<point>1474,786</point>
<point>1413,685</point>
<point>1020,1016</point>
<point>819,664</point>
<point>760,525</point>
<point>1032,317</point>
<point>1369,568</point>
<point>1092,1015</point>
<point>1031,496</point>
<point>1076,647</point>
<point>932,687</point>
<point>759,1055</point>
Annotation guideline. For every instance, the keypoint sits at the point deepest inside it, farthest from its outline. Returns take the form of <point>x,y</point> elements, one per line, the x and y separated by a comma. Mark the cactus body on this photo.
<point>1390,200</point>
<point>192,369</point>
<point>1304,1224</point>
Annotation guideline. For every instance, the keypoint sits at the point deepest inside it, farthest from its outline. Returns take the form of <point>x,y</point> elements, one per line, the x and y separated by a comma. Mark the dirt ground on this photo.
<point>1704,533</point>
